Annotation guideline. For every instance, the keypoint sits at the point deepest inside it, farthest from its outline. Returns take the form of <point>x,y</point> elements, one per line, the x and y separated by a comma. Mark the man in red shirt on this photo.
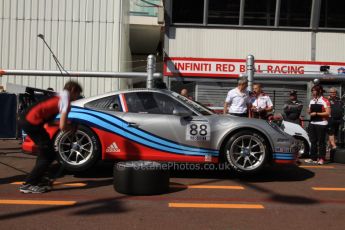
<point>32,123</point>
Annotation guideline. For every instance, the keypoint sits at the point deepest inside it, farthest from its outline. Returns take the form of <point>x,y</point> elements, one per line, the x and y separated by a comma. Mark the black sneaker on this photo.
<point>24,187</point>
<point>27,188</point>
<point>46,181</point>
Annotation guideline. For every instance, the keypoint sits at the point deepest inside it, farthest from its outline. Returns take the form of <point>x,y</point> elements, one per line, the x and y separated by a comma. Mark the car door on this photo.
<point>105,117</point>
<point>159,118</point>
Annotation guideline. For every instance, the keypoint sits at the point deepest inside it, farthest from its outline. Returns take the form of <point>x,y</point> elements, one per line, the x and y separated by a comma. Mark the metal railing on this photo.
<point>149,75</point>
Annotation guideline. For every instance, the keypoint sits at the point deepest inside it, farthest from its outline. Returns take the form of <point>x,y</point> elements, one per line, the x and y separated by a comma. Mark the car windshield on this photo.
<point>195,105</point>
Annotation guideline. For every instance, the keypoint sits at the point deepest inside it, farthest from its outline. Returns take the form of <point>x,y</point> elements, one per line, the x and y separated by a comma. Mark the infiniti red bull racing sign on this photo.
<point>204,67</point>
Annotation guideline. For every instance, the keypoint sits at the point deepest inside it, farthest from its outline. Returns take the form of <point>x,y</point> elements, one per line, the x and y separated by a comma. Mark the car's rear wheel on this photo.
<point>246,152</point>
<point>77,151</point>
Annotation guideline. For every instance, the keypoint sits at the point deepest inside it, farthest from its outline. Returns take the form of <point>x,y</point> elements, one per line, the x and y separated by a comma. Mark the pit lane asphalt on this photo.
<point>278,198</point>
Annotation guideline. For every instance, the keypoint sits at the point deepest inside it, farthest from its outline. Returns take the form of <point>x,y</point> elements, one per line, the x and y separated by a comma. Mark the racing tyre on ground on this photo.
<point>246,152</point>
<point>141,178</point>
<point>339,156</point>
<point>78,151</point>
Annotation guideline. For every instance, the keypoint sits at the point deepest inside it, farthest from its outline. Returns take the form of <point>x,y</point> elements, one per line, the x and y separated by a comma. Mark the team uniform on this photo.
<point>238,102</point>
<point>318,128</point>
<point>32,123</point>
<point>261,101</point>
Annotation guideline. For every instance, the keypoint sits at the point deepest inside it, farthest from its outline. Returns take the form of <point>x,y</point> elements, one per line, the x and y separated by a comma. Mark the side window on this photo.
<point>153,103</point>
<point>167,104</point>
<point>111,103</point>
<point>141,102</point>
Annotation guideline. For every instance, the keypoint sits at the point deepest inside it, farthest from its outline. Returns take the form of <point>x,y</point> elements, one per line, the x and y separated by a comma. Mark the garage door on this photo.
<point>213,94</point>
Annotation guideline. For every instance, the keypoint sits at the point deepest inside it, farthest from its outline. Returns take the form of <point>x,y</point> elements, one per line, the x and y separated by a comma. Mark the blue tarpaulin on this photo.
<point>8,115</point>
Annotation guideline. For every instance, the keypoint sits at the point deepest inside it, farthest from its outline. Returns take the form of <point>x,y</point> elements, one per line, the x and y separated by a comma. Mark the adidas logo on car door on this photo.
<point>112,148</point>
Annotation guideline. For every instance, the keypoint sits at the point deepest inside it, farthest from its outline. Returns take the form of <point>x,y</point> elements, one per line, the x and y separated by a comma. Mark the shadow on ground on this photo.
<point>11,179</point>
<point>92,207</point>
<point>269,174</point>
<point>102,175</point>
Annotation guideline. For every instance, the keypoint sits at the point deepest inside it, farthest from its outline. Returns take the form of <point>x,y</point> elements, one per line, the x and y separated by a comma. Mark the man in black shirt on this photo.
<point>335,120</point>
<point>293,108</point>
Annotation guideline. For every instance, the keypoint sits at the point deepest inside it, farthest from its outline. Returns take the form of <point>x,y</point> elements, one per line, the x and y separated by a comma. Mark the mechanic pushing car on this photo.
<point>32,123</point>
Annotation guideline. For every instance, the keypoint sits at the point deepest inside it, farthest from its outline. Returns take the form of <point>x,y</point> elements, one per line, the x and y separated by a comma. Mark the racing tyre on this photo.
<point>141,178</point>
<point>246,152</point>
<point>339,156</point>
<point>78,151</point>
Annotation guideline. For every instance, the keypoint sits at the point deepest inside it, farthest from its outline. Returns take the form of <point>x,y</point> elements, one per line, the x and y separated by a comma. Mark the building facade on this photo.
<point>86,35</point>
<point>207,41</point>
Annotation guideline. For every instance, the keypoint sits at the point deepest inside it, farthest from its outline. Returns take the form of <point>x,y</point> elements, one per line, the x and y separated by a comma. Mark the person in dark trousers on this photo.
<point>292,108</point>
<point>335,120</point>
<point>32,122</point>
<point>319,111</point>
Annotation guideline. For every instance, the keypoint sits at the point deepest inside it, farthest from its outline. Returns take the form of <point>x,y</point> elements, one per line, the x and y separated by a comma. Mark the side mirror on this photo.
<point>182,112</point>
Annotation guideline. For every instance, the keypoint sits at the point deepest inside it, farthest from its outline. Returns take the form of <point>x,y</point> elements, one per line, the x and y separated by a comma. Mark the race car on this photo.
<point>161,125</point>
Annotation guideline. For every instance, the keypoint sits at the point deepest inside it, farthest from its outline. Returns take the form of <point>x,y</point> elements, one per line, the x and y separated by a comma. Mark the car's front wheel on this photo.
<point>246,152</point>
<point>303,146</point>
<point>77,151</point>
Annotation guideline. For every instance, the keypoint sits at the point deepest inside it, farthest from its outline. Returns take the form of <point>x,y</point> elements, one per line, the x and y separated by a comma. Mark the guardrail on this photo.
<point>149,75</point>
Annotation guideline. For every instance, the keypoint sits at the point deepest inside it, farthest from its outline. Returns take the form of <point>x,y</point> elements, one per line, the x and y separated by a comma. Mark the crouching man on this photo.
<point>32,123</point>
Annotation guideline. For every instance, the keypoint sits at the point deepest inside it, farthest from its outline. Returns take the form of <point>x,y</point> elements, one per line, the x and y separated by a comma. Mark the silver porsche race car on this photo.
<point>161,125</point>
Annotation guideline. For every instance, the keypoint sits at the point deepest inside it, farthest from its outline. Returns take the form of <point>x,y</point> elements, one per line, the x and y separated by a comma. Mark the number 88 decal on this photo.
<point>194,130</point>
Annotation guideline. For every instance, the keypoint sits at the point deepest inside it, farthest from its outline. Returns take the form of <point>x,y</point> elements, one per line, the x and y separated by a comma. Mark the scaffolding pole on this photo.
<point>78,73</point>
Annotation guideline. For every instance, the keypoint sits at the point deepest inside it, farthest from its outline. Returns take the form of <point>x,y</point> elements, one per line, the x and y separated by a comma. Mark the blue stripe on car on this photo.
<point>88,118</point>
<point>283,156</point>
<point>139,132</point>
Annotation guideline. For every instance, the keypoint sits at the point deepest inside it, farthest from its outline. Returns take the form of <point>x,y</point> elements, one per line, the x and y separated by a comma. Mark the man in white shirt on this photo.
<point>237,101</point>
<point>261,103</point>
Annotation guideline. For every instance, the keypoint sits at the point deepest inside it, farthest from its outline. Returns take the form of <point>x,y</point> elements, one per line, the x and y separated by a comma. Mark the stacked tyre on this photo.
<point>141,178</point>
<point>339,156</point>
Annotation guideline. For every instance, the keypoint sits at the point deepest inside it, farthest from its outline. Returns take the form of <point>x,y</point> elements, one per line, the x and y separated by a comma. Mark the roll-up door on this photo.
<point>213,94</point>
